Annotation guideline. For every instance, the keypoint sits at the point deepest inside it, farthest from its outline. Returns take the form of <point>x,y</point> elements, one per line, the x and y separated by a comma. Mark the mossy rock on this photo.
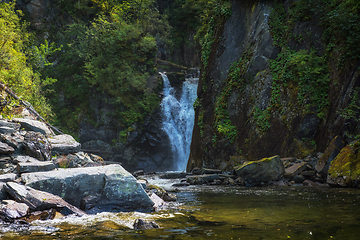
<point>345,168</point>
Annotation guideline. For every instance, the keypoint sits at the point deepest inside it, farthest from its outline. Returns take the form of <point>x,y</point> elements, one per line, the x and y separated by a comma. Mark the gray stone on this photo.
<point>298,179</point>
<point>38,166</point>
<point>15,126</point>
<point>33,125</point>
<point>294,170</point>
<point>23,158</point>
<point>329,155</point>
<point>115,185</point>
<point>202,179</point>
<point>6,149</point>
<point>39,200</point>
<point>15,140</point>
<point>36,145</point>
<point>140,224</point>
<point>159,203</point>
<point>7,177</point>
<point>13,210</point>
<point>255,173</point>
<point>63,144</point>
<point>3,192</point>
<point>7,130</point>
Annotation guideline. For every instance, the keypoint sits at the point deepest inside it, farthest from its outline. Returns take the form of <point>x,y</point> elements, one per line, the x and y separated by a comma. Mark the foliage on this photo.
<point>115,55</point>
<point>261,118</point>
<point>353,109</point>
<point>15,72</point>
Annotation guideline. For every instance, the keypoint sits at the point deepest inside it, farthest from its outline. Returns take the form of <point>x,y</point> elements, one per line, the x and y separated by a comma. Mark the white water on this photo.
<point>178,118</point>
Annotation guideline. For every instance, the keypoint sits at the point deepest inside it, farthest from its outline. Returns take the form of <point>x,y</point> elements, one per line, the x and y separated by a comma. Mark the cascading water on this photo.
<point>178,118</point>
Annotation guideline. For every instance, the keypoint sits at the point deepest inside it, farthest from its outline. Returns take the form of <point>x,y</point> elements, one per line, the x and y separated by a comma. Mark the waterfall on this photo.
<point>178,118</point>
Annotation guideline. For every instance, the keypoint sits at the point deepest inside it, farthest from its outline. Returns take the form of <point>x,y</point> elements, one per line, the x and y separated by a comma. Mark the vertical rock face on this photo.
<point>245,110</point>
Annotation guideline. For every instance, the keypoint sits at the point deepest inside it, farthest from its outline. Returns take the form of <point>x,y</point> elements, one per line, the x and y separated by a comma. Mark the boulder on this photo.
<point>202,179</point>
<point>3,192</point>
<point>35,166</point>
<point>36,145</point>
<point>294,170</point>
<point>159,203</point>
<point>7,177</point>
<point>260,172</point>
<point>14,126</point>
<point>64,144</point>
<point>13,210</point>
<point>344,169</point>
<point>329,155</point>
<point>15,140</point>
<point>6,149</point>
<point>115,185</point>
<point>140,224</point>
<point>33,125</point>
<point>39,200</point>
<point>23,158</point>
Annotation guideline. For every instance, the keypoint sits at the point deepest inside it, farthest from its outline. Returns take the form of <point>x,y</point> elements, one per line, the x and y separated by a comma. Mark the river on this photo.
<point>220,212</point>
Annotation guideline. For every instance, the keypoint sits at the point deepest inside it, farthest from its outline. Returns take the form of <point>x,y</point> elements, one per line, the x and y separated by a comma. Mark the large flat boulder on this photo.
<point>63,144</point>
<point>35,166</point>
<point>112,183</point>
<point>255,173</point>
<point>39,200</point>
<point>33,125</point>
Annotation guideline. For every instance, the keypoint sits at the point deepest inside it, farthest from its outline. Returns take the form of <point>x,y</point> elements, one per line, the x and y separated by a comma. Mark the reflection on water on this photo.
<point>219,212</point>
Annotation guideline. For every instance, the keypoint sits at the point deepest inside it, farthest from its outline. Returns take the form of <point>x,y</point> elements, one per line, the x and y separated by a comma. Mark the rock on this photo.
<point>33,125</point>
<point>97,159</point>
<point>6,149</point>
<point>39,200</point>
<point>69,161</point>
<point>202,179</point>
<point>64,144</point>
<point>210,171</point>
<point>115,185</point>
<point>159,203</point>
<point>15,140</point>
<point>14,126</point>
<point>83,158</point>
<point>13,210</point>
<point>344,169</point>
<point>138,173</point>
<point>310,183</point>
<point>36,145</point>
<point>7,177</point>
<point>89,201</point>
<point>23,158</point>
<point>294,170</point>
<point>254,173</point>
<point>181,184</point>
<point>329,155</point>
<point>42,215</point>
<point>3,192</point>
<point>38,166</point>
<point>298,179</point>
<point>5,161</point>
<point>173,175</point>
<point>140,224</point>
<point>196,171</point>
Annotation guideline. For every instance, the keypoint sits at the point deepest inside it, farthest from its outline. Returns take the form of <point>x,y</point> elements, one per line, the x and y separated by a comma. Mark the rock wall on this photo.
<point>239,119</point>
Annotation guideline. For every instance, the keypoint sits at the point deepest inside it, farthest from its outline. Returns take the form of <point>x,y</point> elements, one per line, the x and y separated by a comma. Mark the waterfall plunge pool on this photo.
<point>220,212</point>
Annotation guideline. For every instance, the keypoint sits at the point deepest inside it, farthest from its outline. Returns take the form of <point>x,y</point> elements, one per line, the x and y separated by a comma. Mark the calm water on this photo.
<point>218,212</point>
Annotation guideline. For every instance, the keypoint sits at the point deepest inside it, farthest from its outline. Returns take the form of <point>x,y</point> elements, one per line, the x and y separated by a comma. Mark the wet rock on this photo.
<point>159,203</point>
<point>202,179</point>
<point>115,185</point>
<point>140,224</point>
<point>39,200</point>
<point>33,125</point>
<point>64,144</point>
<point>162,193</point>
<point>181,184</point>
<point>210,171</point>
<point>329,155</point>
<point>196,171</point>
<point>239,181</point>
<point>294,170</point>
<point>173,175</point>
<point>7,177</point>
<point>42,215</point>
<point>35,166</point>
<point>138,173</point>
<point>255,173</point>
<point>12,210</point>
<point>36,145</point>
<point>6,149</point>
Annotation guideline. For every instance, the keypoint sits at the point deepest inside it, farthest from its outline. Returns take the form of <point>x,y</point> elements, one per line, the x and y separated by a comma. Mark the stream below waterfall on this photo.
<point>219,212</point>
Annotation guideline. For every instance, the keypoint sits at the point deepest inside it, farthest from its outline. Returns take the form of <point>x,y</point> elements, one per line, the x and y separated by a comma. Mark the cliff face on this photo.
<point>267,89</point>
